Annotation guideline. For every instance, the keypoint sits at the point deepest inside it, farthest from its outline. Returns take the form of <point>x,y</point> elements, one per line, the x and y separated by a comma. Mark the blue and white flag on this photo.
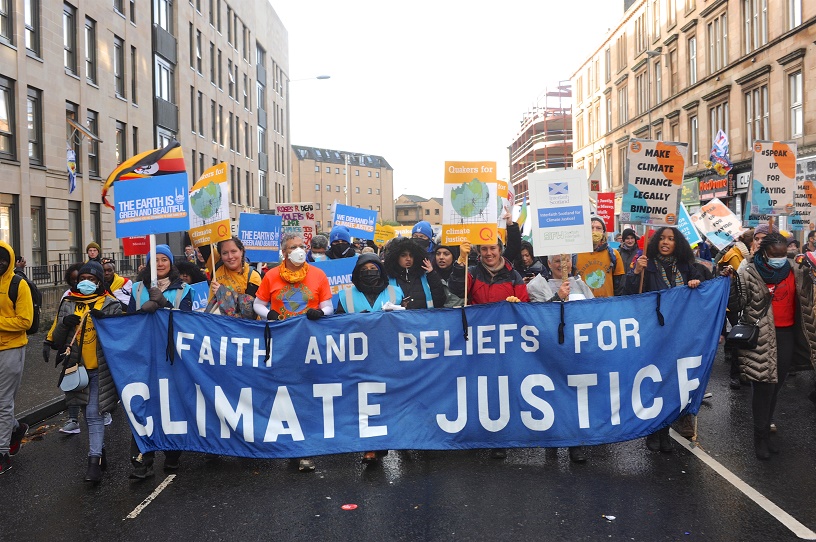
<point>70,158</point>
<point>409,379</point>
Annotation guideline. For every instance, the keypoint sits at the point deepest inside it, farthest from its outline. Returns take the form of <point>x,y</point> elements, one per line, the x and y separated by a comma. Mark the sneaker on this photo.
<point>577,454</point>
<point>735,383</point>
<point>306,465</point>
<point>17,438</point>
<point>772,428</point>
<point>5,463</point>
<point>141,469</point>
<point>108,418</point>
<point>370,457</point>
<point>685,426</point>
<point>71,428</point>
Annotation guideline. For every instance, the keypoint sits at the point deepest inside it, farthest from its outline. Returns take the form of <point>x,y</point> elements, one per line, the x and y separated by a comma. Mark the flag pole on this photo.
<point>154,279</point>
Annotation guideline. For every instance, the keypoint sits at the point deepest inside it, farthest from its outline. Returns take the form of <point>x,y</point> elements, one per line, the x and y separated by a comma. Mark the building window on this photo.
<point>164,80</point>
<point>119,66</point>
<point>671,13</point>
<point>694,146</point>
<point>328,188</point>
<point>718,120</point>
<point>96,222</point>
<point>117,5</point>
<point>231,85</point>
<point>369,191</point>
<point>163,137</point>
<point>163,14</point>
<point>69,38</point>
<point>620,47</point>
<point>6,21</point>
<point>212,63</point>
<point>93,144</point>
<point>39,256</point>
<point>642,88</point>
<point>623,106</point>
<point>221,125</point>
<point>31,19</point>
<point>640,33</point>
<point>621,164</point>
<point>607,65</point>
<point>369,174</point>
<point>755,24</point>
<point>692,60</point>
<point>655,19</point>
<point>218,66</point>
<point>90,49</point>
<point>201,162</point>
<point>317,187</point>
<point>200,103</point>
<point>75,230</point>
<point>135,140</point>
<point>658,82</point>
<point>795,97</point>
<point>134,67</point>
<point>338,188</point>
<point>378,191</point>
<point>34,123</point>
<point>357,190</point>
<point>673,77</point>
<point>213,125</point>
<point>718,43</point>
<point>794,13</point>
<point>377,174</point>
<point>756,115</point>
<point>72,112</point>
<point>356,172</point>
<point>231,133</point>
<point>133,11</point>
<point>121,142</point>
<point>198,53</point>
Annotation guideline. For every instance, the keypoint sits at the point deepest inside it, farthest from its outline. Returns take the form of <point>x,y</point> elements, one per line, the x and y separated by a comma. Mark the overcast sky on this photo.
<point>423,82</point>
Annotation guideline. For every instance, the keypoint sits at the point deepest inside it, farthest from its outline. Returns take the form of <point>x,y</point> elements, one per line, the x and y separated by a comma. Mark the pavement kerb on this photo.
<point>43,411</point>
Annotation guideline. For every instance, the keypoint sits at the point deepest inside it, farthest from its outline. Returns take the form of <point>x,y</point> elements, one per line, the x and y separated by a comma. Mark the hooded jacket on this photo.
<point>15,318</point>
<point>414,281</point>
<point>355,300</point>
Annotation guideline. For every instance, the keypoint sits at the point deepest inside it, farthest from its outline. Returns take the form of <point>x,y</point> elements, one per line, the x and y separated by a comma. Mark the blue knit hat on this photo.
<point>339,233</point>
<point>163,249</point>
<point>423,227</point>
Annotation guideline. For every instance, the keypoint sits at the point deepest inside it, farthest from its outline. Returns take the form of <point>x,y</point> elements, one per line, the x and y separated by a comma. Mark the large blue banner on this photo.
<point>151,205</point>
<point>410,379</point>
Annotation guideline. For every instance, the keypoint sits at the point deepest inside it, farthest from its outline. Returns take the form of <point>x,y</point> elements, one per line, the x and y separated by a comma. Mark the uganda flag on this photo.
<point>151,163</point>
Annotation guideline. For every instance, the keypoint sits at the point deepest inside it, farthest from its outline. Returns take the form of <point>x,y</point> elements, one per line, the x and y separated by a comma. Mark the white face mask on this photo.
<point>297,256</point>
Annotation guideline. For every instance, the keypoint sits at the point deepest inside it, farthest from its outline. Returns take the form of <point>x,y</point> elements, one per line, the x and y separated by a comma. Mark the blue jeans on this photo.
<point>96,425</point>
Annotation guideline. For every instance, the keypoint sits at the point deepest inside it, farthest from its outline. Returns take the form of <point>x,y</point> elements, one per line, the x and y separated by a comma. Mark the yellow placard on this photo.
<point>383,234</point>
<point>209,207</point>
<point>470,203</point>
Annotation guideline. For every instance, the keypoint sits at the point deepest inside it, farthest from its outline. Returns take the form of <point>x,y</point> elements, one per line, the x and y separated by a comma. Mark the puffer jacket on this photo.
<point>61,335</point>
<point>411,280</point>
<point>760,364</point>
<point>15,318</point>
<point>486,288</point>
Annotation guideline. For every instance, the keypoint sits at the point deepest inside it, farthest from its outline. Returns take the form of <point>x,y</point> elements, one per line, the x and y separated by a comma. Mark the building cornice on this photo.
<point>671,39</point>
<point>673,114</point>
<point>608,91</point>
<point>714,6</point>
<point>688,26</point>
<point>790,57</point>
<point>657,122</point>
<point>643,131</point>
<point>622,139</point>
<point>691,105</point>
<point>621,79</point>
<point>642,62</point>
<point>717,93</point>
<point>759,72</point>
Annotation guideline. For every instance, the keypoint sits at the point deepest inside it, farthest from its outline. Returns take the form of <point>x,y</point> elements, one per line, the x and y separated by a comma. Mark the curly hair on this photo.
<point>70,271</point>
<point>682,249</point>
<point>770,240</point>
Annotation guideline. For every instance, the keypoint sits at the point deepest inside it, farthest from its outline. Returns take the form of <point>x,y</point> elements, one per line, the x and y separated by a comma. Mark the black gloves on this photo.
<point>72,320</point>
<point>314,314</point>
<point>62,358</point>
<point>272,315</point>
<point>157,297</point>
<point>46,351</point>
<point>149,306</point>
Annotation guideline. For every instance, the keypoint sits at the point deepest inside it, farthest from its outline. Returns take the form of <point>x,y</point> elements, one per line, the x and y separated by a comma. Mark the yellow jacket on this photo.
<point>15,319</point>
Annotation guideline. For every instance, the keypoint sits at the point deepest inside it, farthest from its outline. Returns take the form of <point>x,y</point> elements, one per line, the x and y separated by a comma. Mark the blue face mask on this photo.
<point>777,263</point>
<point>320,257</point>
<point>86,287</point>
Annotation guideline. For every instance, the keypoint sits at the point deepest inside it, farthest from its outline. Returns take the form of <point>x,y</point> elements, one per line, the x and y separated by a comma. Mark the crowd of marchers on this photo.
<point>772,287</point>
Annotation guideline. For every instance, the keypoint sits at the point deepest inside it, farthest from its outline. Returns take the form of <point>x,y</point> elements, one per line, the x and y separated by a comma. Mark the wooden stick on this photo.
<point>645,246</point>
<point>466,275</point>
<point>564,272</point>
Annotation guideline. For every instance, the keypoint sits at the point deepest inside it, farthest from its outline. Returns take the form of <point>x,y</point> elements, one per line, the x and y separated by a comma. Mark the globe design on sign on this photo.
<point>470,199</point>
<point>206,201</point>
<point>596,279</point>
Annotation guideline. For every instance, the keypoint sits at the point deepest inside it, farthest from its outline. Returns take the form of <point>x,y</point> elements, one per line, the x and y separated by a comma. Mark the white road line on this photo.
<point>151,497</point>
<point>783,517</point>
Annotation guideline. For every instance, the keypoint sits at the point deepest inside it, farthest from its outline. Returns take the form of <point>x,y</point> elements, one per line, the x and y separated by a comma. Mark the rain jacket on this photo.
<point>15,318</point>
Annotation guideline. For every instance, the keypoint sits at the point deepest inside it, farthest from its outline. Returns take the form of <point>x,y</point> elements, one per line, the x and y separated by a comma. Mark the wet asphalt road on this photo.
<point>534,494</point>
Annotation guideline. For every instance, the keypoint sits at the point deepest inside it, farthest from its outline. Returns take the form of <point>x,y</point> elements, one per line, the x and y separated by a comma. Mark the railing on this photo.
<point>554,136</point>
<point>55,273</point>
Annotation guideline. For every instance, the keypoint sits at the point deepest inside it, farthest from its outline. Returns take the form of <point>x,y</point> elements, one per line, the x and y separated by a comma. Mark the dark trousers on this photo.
<point>147,457</point>
<point>731,353</point>
<point>764,394</point>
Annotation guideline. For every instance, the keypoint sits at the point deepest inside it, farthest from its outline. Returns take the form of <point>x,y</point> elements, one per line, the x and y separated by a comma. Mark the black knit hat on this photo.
<point>93,268</point>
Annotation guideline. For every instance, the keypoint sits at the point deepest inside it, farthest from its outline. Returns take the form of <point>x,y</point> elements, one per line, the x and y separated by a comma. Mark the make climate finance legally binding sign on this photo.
<point>653,182</point>
<point>150,205</point>
<point>560,210</point>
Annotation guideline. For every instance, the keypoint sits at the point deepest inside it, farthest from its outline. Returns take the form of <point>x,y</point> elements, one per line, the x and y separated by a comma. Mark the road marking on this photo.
<point>783,517</point>
<point>151,497</point>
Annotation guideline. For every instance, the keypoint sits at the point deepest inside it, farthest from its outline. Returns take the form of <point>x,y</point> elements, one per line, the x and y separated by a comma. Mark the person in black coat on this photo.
<point>408,266</point>
<point>668,262</point>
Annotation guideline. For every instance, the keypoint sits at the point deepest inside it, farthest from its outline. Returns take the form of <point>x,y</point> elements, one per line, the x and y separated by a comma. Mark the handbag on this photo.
<point>745,336</point>
<point>75,377</point>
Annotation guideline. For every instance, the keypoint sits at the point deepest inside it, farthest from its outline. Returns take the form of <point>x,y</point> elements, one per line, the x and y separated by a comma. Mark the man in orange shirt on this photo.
<point>291,289</point>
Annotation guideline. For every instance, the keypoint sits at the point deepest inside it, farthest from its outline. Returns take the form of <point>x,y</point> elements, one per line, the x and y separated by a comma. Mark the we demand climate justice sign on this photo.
<point>410,379</point>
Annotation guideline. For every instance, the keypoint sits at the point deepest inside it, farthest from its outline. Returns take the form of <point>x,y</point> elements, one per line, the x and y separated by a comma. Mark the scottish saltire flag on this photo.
<point>70,156</point>
<point>150,163</point>
<point>558,189</point>
<point>718,159</point>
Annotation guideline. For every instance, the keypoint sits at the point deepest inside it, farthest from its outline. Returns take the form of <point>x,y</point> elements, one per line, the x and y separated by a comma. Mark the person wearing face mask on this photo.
<point>340,244</point>
<point>778,297</point>
<point>100,395</point>
<point>409,267</point>
<point>602,269</point>
<point>294,288</point>
<point>422,234</point>
<point>317,252</point>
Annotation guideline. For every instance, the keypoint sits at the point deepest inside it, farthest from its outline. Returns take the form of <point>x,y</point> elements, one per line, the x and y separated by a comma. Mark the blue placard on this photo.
<point>408,380</point>
<point>360,222</point>
<point>201,294</point>
<point>260,235</point>
<point>560,216</point>
<point>339,274</point>
<point>686,227</point>
<point>151,205</point>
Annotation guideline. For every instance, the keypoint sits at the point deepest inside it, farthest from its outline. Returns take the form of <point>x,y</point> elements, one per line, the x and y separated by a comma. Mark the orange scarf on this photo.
<point>293,277</point>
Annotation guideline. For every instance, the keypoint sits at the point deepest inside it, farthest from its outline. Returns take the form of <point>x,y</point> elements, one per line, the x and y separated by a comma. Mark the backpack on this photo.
<point>36,299</point>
